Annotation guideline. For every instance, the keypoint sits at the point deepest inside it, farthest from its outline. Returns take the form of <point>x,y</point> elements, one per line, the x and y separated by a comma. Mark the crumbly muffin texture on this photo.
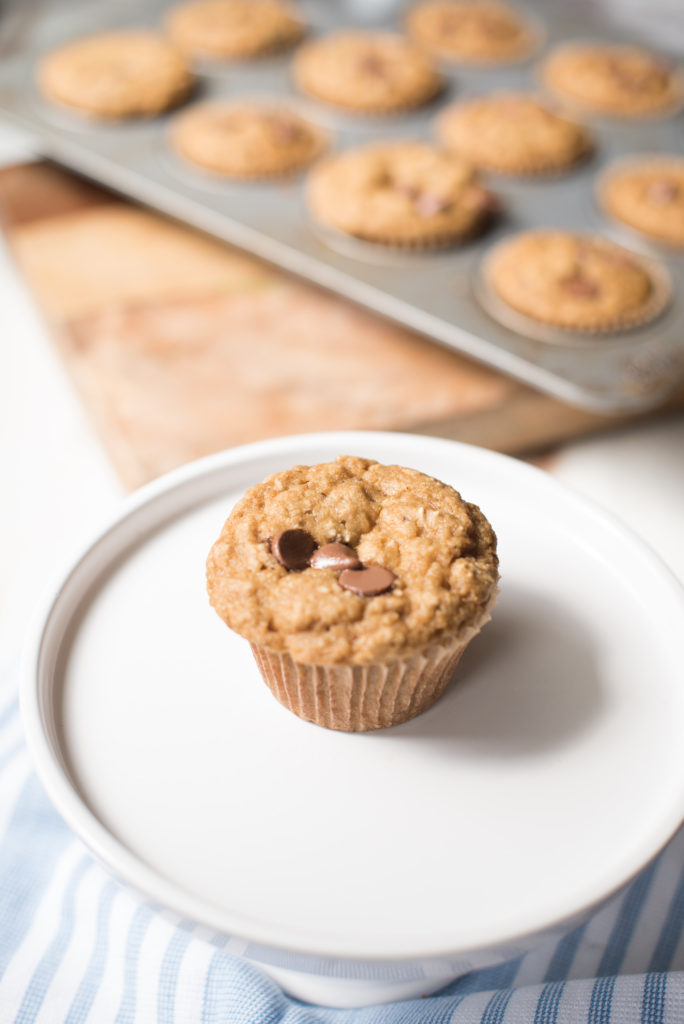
<point>116,75</point>
<point>648,195</point>
<point>246,140</point>
<point>400,193</point>
<point>371,72</point>
<point>570,280</point>
<point>478,31</point>
<point>440,547</point>
<point>624,81</point>
<point>514,133</point>
<point>234,28</point>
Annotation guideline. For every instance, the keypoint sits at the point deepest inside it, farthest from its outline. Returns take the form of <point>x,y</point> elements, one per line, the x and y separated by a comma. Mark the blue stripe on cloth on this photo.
<point>564,955</point>
<point>235,990</point>
<point>626,922</point>
<point>496,1007</point>
<point>168,973</point>
<point>33,843</point>
<point>601,999</point>
<point>94,972</point>
<point>671,932</point>
<point>653,1002</point>
<point>487,979</point>
<point>54,954</point>
<point>546,1011</point>
<point>11,753</point>
<point>136,933</point>
<point>9,712</point>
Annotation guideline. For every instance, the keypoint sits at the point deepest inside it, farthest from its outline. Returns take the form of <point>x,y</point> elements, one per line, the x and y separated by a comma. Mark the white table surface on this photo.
<point>57,483</point>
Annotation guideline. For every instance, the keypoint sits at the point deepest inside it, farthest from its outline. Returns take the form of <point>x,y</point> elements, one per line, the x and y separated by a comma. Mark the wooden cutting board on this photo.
<point>180,345</point>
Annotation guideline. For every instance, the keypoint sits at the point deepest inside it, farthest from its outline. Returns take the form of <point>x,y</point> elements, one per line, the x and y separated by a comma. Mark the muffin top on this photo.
<point>573,281</point>
<point>437,550</point>
<point>245,139</point>
<point>512,132</point>
<point>478,31</point>
<point>234,28</point>
<point>370,72</point>
<point>648,195</point>
<point>626,81</point>
<point>116,74</point>
<point>402,193</point>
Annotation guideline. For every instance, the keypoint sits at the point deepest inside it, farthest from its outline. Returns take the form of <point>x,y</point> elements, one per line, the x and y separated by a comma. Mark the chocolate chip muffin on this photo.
<point>116,75</point>
<point>471,31</point>
<point>357,585</point>
<point>513,133</point>
<point>623,81</point>
<point>576,282</point>
<point>406,194</point>
<point>234,28</point>
<point>647,195</point>
<point>244,139</point>
<point>368,72</point>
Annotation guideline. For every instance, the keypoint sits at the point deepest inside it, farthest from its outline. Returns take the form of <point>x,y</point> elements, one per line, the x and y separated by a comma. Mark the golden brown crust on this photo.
<point>369,72</point>
<point>399,193</point>
<point>116,75</point>
<point>441,548</point>
<point>572,281</point>
<point>234,28</point>
<point>513,133</point>
<point>648,195</point>
<point>245,139</point>
<point>474,31</point>
<point>624,81</point>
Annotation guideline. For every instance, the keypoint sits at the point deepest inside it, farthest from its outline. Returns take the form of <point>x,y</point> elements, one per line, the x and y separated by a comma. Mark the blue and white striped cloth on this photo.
<point>76,947</point>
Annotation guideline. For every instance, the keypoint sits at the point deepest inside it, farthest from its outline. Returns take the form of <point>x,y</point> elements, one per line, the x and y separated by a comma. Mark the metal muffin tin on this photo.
<point>438,294</point>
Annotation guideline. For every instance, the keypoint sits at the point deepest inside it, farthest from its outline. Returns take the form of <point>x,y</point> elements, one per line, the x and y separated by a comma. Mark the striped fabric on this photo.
<point>76,946</point>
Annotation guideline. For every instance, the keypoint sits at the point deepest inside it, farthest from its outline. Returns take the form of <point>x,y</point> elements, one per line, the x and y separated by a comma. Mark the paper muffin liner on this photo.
<point>360,698</point>
<point>552,331</point>
<point>429,243</point>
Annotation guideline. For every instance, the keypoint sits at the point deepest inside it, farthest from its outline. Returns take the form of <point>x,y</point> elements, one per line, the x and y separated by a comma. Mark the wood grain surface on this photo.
<point>180,345</point>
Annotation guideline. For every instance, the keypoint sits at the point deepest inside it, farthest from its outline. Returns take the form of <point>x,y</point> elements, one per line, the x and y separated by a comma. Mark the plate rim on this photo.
<point>130,868</point>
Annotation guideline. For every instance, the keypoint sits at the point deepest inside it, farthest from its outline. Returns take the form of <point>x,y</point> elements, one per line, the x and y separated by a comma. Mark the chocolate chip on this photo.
<point>293,548</point>
<point>580,286</point>
<point>371,64</point>
<point>336,557</point>
<point>406,189</point>
<point>283,129</point>
<point>662,190</point>
<point>368,582</point>
<point>428,205</point>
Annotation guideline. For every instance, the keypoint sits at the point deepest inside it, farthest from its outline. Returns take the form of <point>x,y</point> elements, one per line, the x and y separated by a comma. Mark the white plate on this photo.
<point>550,772</point>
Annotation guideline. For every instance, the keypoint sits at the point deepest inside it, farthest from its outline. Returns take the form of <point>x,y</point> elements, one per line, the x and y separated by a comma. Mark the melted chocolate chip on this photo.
<point>336,557</point>
<point>406,189</point>
<point>580,286</point>
<point>661,191</point>
<point>371,64</point>
<point>368,582</point>
<point>283,129</point>
<point>427,205</point>
<point>293,549</point>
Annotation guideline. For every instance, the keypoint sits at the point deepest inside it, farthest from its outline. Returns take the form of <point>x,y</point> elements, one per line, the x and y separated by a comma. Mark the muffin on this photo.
<point>401,194</point>
<point>368,72</point>
<point>358,587</point>
<point>576,282</point>
<point>234,28</point>
<point>623,81</point>
<point>472,31</point>
<point>116,75</point>
<point>246,139</point>
<point>647,195</point>
<point>513,133</point>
